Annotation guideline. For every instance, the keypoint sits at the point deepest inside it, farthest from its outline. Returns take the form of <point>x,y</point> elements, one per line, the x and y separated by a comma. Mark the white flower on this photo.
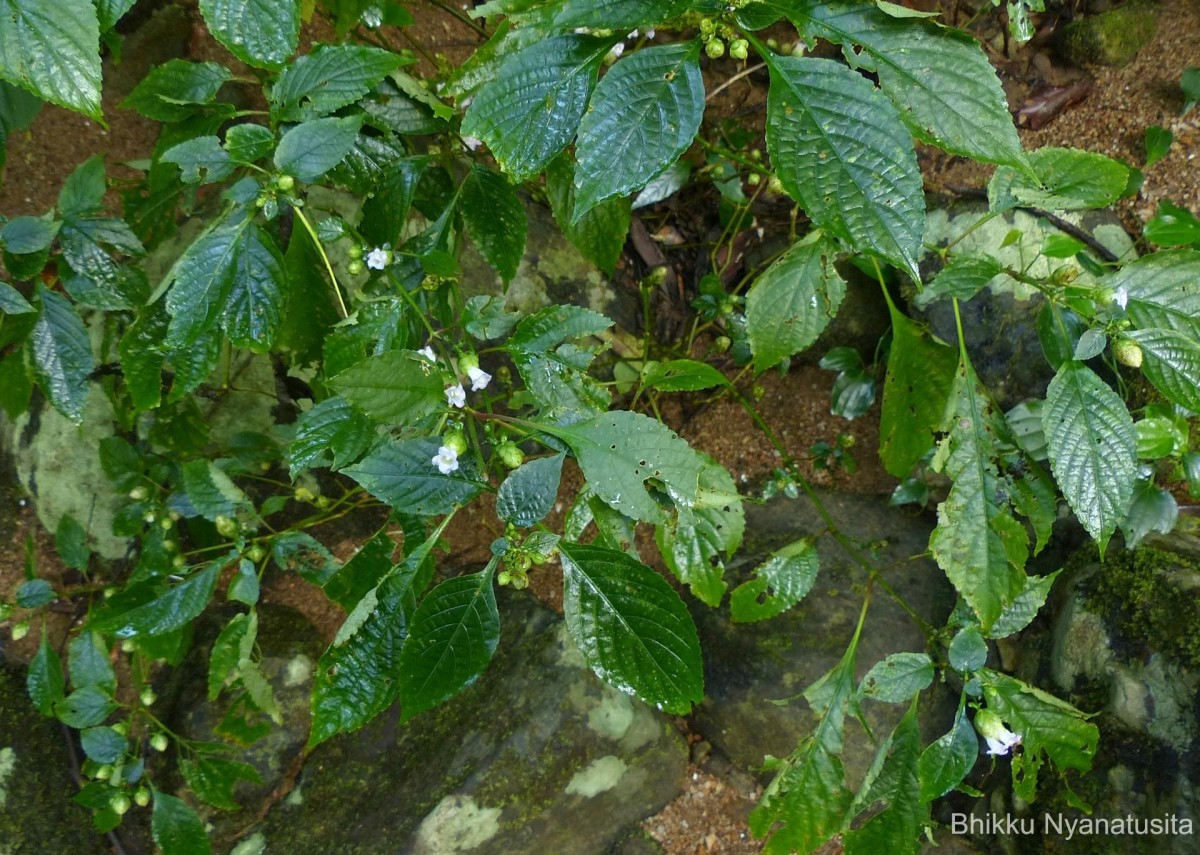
<point>1000,740</point>
<point>456,395</point>
<point>617,50</point>
<point>479,379</point>
<point>428,353</point>
<point>1121,297</point>
<point>446,460</point>
<point>378,258</point>
<point>650,33</point>
<point>632,35</point>
<point>472,143</point>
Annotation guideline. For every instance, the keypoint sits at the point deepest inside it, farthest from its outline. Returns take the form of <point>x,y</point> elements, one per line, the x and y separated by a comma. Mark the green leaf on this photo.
<point>920,374</point>
<point>23,235</point>
<point>1045,724</point>
<point>385,213</point>
<point>804,805</point>
<point>45,681</point>
<point>86,707</point>
<point>528,493</point>
<point>247,143</point>
<point>87,658</point>
<point>631,627</point>
<point>34,593</point>
<point>299,552</point>
<point>620,451</point>
<point>201,155</point>
<point>1068,179</point>
<point>681,375</point>
<point>94,278</point>
<point>234,644</point>
<point>967,651</point>
<point>451,639</point>
<point>555,371</point>
<point>495,218</point>
<point>361,573</point>
<point>169,611</point>
<point>977,542</point>
<point>1172,363</point>
<point>1025,607</point>
<point>403,475</point>
<point>62,354</point>
<point>840,148</point>
<point>484,317</point>
<point>357,679</point>
<point>329,78</point>
<point>644,114</point>
<point>618,14</point>
<point>1152,509</point>
<point>110,12</point>
<point>11,301</point>
<point>963,277</point>
<point>793,301</point>
<point>1172,226</point>
<point>211,492</point>
<point>83,191</point>
<point>898,677</point>
<point>335,426</point>
<point>142,356</point>
<point>945,763</point>
<point>259,690</point>
<point>311,149</point>
<point>692,547</point>
<point>532,109</point>
<point>779,583</point>
<point>212,779</point>
<point>1163,291</point>
<point>16,384</point>
<point>173,91</point>
<point>262,33</point>
<point>103,744</point>
<point>599,233</point>
<point>52,48</point>
<point>1093,449</point>
<point>177,830</point>
<point>395,387</point>
<point>942,83</point>
<point>893,779</point>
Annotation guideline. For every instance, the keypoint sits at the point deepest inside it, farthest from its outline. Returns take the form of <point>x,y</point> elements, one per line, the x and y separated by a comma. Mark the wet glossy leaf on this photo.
<point>779,583</point>
<point>176,828</point>
<point>62,354</point>
<point>528,493</point>
<point>52,48</point>
<point>169,611</point>
<point>262,33</point>
<point>335,426</point>
<point>395,387</point>
<point>176,89</point>
<point>403,475</point>
<point>495,218</point>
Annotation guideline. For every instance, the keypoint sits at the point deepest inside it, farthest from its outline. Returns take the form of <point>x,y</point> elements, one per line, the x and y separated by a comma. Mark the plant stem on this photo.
<point>337,290</point>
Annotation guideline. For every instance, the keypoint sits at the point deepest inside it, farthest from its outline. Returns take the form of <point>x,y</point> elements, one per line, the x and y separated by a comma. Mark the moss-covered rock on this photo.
<point>1110,38</point>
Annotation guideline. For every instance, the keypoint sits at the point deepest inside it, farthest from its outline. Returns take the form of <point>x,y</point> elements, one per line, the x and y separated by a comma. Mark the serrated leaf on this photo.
<point>942,83</point>
<point>142,356</point>
<point>554,371</point>
<point>176,828</point>
<point>1172,226</point>
<point>45,681</point>
<point>804,805</point>
<point>1025,607</point>
<point>312,148</point>
<point>898,677</point>
<point>840,149</point>
<point>93,276</point>
<point>631,627</point>
<point>495,218</point>
<point>664,186</point>
<point>1163,291</point>
<point>681,375</point>
<point>211,492</point>
<point>176,89</point>
<point>201,160</point>
<point>12,303</point>
<point>620,451</point>
<point>329,78</point>
<point>62,354</point>
<point>451,639</point>
<point>963,277</point>
<point>599,234</point>
<point>403,475</point>
<point>234,643</point>
<point>262,33</point>
<point>87,658</point>
<point>52,48</point>
<point>259,689</point>
<point>892,779</point>
<point>945,763</point>
<point>618,14</point>
<point>299,552</point>
<point>644,113</point>
<point>34,593</point>
<point>103,744</point>
<point>779,583</point>
<point>169,611</point>
<point>335,426</point>
<point>83,191</point>
<point>213,778</point>
<point>395,387</point>
<point>977,542</point>
<point>1171,362</point>
<point>23,235</point>
<point>362,572</point>
<point>1067,179</point>
<point>86,707</point>
<point>385,212</point>
<point>1093,448</point>
<point>793,301</point>
<point>1152,509</point>
<point>248,143</point>
<point>528,493</point>
<point>484,317</point>
<point>529,113</point>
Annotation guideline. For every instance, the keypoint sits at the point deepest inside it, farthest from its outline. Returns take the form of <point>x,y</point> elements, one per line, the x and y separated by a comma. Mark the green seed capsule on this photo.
<point>715,49</point>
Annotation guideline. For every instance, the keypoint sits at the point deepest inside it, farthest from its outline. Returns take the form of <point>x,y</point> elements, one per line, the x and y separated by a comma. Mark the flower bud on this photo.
<point>510,455</point>
<point>142,797</point>
<point>355,267</point>
<point>456,441</point>
<point>467,361</point>
<point>285,182</point>
<point>355,251</point>
<point>1128,352</point>
<point>159,742</point>
<point>739,49</point>
<point>148,697</point>
<point>715,49</point>
<point>120,804</point>
<point>20,630</point>
<point>138,494</point>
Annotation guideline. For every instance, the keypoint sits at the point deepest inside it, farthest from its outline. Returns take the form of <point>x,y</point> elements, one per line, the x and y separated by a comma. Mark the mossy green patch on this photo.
<point>1110,38</point>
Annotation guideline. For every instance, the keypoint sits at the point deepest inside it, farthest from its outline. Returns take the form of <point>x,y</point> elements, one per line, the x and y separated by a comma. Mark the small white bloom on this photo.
<point>456,395</point>
<point>1000,747</point>
<point>650,33</point>
<point>428,353</point>
<point>632,35</point>
<point>378,258</point>
<point>1000,740</point>
<point>446,460</point>
<point>617,50</point>
<point>479,378</point>
<point>466,102</point>
<point>1121,298</point>
<point>472,143</point>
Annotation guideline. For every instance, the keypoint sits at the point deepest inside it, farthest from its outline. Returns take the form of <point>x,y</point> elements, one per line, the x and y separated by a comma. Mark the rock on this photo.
<point>1001,322</point>
<point>36,812</point>
<point>748,665</point>
<point>538,756</point>
<point>1110,38</point>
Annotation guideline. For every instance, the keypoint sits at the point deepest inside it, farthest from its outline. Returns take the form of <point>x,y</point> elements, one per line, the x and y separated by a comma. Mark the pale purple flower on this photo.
<point>479,378</point>
<point>378,258</point>
<point>456,395</point>
<point>1000,740</point>
<point>428,353</point>
<point>446,460</point>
